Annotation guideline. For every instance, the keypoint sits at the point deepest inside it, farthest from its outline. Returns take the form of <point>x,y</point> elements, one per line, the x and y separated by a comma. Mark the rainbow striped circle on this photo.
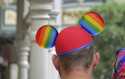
<point>92,22</point>
<point>46,36</point>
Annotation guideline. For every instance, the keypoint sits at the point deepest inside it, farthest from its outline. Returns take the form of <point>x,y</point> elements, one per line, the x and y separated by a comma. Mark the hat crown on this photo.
<point>72,38</point>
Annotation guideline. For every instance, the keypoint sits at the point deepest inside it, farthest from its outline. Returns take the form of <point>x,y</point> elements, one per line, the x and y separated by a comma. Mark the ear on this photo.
<point>98,21</point>
<point>46,36</point>
<point>56,63</point>
<point>96,59</point>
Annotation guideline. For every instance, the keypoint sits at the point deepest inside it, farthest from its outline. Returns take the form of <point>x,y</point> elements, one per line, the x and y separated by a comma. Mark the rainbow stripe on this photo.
<point>46,36</point>
<point>92,22</point>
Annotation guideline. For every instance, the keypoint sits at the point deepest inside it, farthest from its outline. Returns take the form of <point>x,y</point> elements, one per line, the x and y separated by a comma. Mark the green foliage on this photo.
<point>111,39</point>
<point>113,13</point>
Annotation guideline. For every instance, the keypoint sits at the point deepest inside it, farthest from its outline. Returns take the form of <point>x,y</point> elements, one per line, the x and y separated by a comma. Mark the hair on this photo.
<point>82,57</point>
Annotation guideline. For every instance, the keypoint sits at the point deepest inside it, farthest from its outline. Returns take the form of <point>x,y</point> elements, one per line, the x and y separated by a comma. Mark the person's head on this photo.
<point>85,59</point>
<point>119,66</point>
<point>75,52</point>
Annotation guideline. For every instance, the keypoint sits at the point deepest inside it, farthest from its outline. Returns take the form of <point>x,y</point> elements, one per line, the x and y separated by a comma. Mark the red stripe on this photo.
<point>40,35</point>
<point>97,17</point>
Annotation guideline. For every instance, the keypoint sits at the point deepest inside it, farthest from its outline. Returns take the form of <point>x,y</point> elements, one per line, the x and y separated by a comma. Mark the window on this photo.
<point>10,17</point>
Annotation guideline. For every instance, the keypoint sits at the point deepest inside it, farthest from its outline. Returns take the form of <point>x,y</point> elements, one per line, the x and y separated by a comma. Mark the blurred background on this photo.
<point>22,58</point>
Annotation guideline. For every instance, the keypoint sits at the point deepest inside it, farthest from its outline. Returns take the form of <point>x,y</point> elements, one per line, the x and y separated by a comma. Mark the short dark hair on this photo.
<point>83,58</point>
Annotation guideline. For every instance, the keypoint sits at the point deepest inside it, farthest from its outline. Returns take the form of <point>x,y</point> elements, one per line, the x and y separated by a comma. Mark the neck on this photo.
<point>77,74</point>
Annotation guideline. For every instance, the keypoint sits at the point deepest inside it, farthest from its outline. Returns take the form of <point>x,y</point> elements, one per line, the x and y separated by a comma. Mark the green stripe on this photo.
<point>89,23</point>
<point>49,38</point>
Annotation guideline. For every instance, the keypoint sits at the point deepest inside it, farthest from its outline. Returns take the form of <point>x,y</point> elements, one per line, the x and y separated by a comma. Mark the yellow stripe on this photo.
<point>93,22</point>
<point>45,37</point>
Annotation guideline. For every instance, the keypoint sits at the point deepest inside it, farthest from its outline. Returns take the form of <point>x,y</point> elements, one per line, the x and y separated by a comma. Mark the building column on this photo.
<point>22,43</point>
<point>57,7</point>
<point>41,59</point>
<point>23,62</point>
<point>13,71</point>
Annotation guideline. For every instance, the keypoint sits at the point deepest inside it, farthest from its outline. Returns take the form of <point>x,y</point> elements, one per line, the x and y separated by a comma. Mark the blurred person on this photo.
<point>76,54</point>
<point>2,67</point>
<point>119,66</point>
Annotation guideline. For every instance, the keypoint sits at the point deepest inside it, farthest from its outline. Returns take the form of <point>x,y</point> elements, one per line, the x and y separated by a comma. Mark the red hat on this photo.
<point>71,39</point>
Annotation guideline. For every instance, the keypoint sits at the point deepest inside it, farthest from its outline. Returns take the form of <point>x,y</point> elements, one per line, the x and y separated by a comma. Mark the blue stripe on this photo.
<point>121,49</point>
<point>87,27</point>
<point>52,39</point>
<point>76,49</point>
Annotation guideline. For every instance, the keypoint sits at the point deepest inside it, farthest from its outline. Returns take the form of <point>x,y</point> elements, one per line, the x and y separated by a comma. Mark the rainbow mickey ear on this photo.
<point>46,36</point>
<point>92,22</point>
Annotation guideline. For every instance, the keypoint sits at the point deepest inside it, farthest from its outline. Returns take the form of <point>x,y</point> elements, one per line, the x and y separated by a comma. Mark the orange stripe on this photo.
<point>42,36</point>
<point>92,21</point>
<point>97,19</point>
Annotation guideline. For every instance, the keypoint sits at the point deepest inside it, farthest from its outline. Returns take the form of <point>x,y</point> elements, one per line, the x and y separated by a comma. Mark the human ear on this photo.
<point>96,59</point>
<point>55,59</point>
